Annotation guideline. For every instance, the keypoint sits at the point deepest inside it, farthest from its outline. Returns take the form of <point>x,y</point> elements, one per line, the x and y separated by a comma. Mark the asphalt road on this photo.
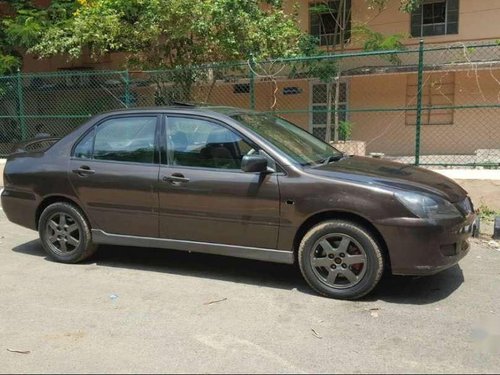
<point>143,310</point>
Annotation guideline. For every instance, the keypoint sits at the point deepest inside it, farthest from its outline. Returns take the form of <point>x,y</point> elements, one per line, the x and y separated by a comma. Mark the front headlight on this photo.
<point>428,207</point>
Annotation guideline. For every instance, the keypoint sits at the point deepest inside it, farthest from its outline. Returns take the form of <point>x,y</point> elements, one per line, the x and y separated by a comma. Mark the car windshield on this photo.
<point>301,146</point>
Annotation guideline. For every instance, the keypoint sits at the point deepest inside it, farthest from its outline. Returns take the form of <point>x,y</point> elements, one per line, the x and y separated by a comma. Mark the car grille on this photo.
<point>466,206</point>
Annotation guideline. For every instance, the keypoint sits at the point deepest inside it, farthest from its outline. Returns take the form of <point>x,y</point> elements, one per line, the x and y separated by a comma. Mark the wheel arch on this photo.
<point>47,201</point>
<point>341,215</point>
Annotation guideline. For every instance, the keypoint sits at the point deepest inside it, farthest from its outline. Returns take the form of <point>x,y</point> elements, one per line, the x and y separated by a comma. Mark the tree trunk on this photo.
<point>343,13</point>
<point>338,39</point>
<point>336,107</point>
<point>328,133</point>
<point>213,77</point>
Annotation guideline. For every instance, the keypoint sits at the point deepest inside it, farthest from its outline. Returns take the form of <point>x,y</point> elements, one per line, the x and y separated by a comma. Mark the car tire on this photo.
<point>65,233</point>
<point>340,259</point>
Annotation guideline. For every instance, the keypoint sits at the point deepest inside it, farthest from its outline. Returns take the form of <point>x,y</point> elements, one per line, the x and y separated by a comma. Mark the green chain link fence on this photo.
<point>434,106</point>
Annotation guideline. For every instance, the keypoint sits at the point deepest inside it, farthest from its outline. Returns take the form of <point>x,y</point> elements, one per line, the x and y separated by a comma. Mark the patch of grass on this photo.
<point>486,213</point>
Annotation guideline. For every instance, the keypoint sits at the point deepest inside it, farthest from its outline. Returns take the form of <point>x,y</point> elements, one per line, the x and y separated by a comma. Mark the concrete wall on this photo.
<point>482,185</point>
<point>388,132</point>
<point>483,192</point>
<point>269,96</point>
<point>114,61</point>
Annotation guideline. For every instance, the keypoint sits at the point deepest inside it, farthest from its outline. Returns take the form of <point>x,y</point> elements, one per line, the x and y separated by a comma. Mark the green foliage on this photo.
<point>8,64</point>
<point>325,70</point>
<point>178,35</point>
<point>345,130</point>
<point>409,6</point>
<point>375,41</point>
<point>490,164</point>
<point>487,213</point>
<point>319,8</point>
<point>168,33</point>
<point>406,6</point>
<point>321,68</point>
<point>26,27</point>
<point>160,33</point>
<point>29,24</point>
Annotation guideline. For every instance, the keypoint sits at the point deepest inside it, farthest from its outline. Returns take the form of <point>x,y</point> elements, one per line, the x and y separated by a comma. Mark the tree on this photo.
<point>178,35</point>
<point>232,28</point>
<point>25,26</point>
<point>169,33</point>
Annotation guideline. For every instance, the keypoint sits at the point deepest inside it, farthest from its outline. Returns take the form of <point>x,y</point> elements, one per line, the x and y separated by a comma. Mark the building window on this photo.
<point>435,17</point>
<point>438,91</point>
<point>241,88</point>
<point>319,108</point>
<point>329,20</point>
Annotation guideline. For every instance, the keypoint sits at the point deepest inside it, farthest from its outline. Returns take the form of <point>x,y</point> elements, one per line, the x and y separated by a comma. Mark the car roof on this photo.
<point>192,109</point>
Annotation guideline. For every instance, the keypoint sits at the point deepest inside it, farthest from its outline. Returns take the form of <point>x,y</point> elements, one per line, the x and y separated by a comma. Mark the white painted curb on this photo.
<point>470,174</point>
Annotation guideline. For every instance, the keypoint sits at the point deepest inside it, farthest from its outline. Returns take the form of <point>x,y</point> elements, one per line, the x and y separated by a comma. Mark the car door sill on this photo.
<point>257,253</point>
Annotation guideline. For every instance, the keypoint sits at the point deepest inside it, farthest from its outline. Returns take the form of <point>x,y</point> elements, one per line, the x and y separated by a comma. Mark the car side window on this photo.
<point>129,139</point>
<point>194,142</point>
<point>84,148</point>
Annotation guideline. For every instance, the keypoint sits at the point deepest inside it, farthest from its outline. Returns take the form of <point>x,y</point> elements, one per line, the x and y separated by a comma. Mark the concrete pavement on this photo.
<point>143,310</point>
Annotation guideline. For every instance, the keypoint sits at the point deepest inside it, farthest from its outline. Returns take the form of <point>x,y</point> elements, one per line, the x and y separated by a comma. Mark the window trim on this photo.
<point>348,26</point>
<point>93,128</point>
<point>446,22</point>
<point>163,144</point>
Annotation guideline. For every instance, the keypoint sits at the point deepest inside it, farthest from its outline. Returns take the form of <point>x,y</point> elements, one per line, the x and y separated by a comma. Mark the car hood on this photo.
<point>390,174</point>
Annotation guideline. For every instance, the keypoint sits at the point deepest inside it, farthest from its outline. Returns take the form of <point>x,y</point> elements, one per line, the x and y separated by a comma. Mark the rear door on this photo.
<point>114,171</point>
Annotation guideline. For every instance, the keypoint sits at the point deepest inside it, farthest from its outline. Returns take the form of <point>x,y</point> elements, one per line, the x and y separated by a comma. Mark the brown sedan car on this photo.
<point>240,183</point>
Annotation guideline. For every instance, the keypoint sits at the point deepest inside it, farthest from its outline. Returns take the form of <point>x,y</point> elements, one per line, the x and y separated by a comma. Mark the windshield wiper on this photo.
<point>331,159</point>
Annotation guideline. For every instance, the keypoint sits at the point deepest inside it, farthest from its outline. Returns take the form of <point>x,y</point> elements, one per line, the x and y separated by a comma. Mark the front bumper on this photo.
<point>424,247</point>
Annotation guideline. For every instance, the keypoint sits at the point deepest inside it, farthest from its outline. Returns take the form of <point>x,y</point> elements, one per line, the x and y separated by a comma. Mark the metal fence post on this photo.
<point>20,98</point>
<point>252,83</point>
<point>127,89</point>
<point>419,101</point>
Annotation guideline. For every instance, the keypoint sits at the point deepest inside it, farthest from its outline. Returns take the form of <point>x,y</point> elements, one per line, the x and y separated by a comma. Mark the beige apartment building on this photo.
<point>374,91</point>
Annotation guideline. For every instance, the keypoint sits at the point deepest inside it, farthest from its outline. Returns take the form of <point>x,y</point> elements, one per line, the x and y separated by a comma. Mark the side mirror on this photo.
<point>254,163</point>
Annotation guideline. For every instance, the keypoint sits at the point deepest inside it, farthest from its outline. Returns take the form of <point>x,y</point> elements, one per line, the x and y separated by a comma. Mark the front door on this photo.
<point>115,175</point>
<point>204,194</point>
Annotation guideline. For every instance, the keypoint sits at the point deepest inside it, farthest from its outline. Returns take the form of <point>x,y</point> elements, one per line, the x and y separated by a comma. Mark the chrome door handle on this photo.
<point>83,171</point>
<point>176,178</point>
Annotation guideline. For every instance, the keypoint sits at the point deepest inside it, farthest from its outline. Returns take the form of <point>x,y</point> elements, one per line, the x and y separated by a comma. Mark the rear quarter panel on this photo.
<point>29,178</point>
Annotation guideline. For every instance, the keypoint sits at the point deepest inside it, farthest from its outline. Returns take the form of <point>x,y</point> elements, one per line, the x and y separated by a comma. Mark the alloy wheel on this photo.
<point>338,260</point>
<point>63,233</point>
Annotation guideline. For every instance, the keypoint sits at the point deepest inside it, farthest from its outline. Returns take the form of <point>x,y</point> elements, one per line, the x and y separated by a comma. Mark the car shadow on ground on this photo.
<point>392,289</point>
<point>418,290</point>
